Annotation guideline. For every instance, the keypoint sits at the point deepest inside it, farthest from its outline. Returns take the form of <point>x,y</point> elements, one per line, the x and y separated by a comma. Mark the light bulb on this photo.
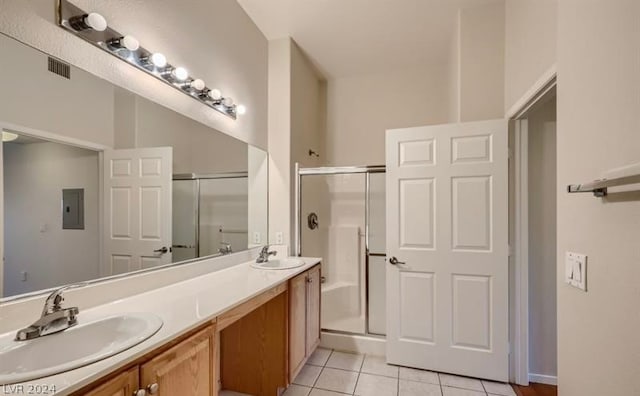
<point>180,73</point>
<point>96,22</point>
<point>130,43</point>
<point>198,84</point>
<point>241,109</point>
<point>227,102</point>
<point>8,136</point>
<point>159,60</point>
<point>215,94</point>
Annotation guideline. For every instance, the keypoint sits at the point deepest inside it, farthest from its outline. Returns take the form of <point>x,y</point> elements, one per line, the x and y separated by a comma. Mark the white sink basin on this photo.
<point>75,347</point>
<point>279,264</point>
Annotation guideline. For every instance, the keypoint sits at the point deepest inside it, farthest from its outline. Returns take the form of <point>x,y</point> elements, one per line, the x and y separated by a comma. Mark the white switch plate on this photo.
<point>575,273</point>
<point>279,238</point>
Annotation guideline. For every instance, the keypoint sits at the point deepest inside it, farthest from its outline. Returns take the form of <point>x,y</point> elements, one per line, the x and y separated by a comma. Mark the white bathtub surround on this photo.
<point>182,306</point>
<point>344,254</point>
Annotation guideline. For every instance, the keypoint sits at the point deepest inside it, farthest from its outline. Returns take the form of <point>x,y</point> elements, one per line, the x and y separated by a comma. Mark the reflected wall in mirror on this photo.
<point>98,181</point>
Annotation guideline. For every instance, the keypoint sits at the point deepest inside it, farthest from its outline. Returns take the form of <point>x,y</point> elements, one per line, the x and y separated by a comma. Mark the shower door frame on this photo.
<point>367,170</point>
<point>204,176</point>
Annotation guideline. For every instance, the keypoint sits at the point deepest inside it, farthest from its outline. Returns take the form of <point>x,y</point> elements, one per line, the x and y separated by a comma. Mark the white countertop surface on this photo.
<point>182,306</point>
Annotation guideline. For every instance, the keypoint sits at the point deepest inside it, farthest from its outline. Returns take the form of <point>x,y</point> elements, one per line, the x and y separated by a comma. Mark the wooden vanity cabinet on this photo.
<point>256,348</point>
<point>124,384</point>
<point>187,368</point>
<point>304,318</point>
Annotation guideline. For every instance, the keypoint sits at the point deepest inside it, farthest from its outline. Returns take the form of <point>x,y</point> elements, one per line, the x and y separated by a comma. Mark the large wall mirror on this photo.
<point>166,190</point>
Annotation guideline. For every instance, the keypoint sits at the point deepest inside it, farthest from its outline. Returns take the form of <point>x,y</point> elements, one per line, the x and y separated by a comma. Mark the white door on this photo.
<point>447,226</point>
<point>137,209</point>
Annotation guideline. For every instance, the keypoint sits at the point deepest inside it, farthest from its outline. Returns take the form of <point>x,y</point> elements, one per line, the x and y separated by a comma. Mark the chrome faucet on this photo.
<point>54,318</point>
<point>264,254</point>
<point>225,248</point>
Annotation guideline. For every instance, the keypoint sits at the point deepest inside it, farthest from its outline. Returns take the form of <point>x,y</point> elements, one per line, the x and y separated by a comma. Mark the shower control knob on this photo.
<point>393,260</point>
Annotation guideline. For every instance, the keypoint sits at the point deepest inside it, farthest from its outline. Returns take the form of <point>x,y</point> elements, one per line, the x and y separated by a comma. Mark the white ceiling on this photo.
<point>347,37</point>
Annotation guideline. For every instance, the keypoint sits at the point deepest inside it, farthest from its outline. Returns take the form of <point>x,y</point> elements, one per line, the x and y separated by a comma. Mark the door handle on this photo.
<point>393,260</point>
<point>162,250</point>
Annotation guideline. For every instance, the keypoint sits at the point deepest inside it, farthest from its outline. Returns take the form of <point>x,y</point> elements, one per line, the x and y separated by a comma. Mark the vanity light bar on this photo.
<point>93,28</point>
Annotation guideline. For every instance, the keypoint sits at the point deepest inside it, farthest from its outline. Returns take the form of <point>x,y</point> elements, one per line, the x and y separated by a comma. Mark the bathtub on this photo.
<point>342,307</point>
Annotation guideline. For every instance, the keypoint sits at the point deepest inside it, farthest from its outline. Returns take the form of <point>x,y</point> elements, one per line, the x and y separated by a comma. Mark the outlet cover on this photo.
<point>279,238</point>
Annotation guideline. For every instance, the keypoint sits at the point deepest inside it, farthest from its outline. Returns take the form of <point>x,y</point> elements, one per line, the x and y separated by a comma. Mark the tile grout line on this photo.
<point>364,356</point>
<point>321,370</point>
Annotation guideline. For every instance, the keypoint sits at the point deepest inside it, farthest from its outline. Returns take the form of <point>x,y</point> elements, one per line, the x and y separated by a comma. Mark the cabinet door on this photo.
<point>297,323</point>
<point>124,384</point>
<point>185,369</point>
<point>313,309</point>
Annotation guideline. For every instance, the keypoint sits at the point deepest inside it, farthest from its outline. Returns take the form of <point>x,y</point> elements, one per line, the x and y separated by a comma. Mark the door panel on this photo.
<point>417,323</point>
<point>186,369</point>
<point>297,323</point>
<point>137,194</point>
<point>447,299</point>
<point>313,310</point>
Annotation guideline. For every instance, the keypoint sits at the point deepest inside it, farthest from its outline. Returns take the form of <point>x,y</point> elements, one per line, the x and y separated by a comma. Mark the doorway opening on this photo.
<point>533,235</point>
<point>51,213</point>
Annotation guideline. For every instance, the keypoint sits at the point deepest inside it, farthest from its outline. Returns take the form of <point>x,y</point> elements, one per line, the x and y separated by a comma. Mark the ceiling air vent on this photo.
<point>59,68</point>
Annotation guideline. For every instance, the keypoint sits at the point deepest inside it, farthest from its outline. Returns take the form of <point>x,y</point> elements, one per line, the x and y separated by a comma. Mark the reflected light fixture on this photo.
<point>8,136</point>
<point>92,27</point>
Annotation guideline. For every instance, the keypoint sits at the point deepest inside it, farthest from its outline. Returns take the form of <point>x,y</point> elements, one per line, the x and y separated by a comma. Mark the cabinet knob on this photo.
<point>153,388</point>
<point>309,279</point>
<point>140,392</point>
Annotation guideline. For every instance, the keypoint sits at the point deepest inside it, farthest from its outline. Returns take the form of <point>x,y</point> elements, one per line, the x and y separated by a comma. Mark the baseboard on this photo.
<point>543,379</point>
<point>354,343</point>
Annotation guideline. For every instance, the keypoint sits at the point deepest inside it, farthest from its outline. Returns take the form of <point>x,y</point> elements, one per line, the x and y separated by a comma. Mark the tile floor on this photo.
<point>333,373</point>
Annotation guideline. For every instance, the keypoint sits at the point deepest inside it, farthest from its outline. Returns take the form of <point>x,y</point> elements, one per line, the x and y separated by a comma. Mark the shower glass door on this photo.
<point>185,220</point>
<point>333,225</point>
<point>376,257</point>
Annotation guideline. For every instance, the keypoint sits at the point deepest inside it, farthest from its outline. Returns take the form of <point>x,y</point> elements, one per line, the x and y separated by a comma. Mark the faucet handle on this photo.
<point>55,299</point>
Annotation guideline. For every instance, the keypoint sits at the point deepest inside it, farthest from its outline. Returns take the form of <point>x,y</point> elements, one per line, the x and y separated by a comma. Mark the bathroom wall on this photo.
<point>296,123</point>
<point>530,45</point>
<point>224,48</point>
<point>542,240</point>
<point>598,124</point>
<point>361,108</point>
<point>34,97</point>
<point>34,176</point>
<point>481,69</point>
<point>196,148</point>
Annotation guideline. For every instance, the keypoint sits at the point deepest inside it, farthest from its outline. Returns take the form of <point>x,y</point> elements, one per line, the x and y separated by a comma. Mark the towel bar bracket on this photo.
<point>577,188</point>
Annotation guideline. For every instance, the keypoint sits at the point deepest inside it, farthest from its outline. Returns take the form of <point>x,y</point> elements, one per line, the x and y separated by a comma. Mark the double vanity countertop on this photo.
<point>182,306</point>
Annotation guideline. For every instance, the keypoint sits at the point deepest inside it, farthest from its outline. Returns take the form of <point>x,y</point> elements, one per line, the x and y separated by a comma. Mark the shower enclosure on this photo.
<point>340,217</point>
<point>210,214</point>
